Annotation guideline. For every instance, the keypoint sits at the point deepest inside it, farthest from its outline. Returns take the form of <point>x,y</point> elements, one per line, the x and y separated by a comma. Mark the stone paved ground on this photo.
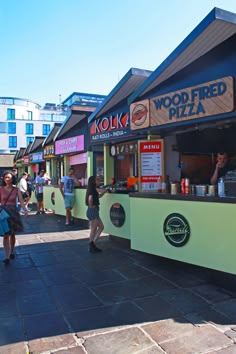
<point>55,297</point>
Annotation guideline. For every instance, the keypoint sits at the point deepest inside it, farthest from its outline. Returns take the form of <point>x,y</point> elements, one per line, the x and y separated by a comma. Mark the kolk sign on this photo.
<point>176,230</point>
<point>106,128</point>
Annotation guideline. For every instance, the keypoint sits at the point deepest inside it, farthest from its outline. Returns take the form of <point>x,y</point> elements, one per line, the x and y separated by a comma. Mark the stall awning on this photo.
<point>126,86</point>
<point>215,28</point>
<point>70,122</point>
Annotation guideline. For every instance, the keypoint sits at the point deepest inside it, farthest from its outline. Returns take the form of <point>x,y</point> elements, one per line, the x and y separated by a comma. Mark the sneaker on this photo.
<point>22,211</point>
<point>97,249</point>
<point>6,261</point>
<point>93,248</point>
<point>43,212</point>
<point>38,213</point>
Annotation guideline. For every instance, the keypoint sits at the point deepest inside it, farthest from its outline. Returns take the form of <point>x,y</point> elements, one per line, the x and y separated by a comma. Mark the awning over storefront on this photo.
<point>127,85</point>
<point>215,28</point>
<point>71,122</point>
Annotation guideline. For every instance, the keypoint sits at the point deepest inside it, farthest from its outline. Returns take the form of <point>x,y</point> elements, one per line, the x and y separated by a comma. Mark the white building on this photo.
<point>21,120</point>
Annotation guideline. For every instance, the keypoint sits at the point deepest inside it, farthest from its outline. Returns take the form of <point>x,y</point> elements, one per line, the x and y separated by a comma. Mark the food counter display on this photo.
<point>53,200</point>
<point>196,230</point>
<point>114,209</point>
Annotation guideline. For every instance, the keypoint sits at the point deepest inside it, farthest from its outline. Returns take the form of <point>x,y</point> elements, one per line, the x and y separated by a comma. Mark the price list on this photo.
<point>151,164</point>
<point>151,156</point>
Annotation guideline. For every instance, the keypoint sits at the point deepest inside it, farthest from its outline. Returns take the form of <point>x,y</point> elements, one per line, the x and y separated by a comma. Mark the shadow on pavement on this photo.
<point>56,287</point>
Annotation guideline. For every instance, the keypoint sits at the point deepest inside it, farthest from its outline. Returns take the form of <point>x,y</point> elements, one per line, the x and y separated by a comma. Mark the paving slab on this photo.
<point>52,343</point>
<point>56,297</point>
<point>197,340</point>
<point>133,340</point>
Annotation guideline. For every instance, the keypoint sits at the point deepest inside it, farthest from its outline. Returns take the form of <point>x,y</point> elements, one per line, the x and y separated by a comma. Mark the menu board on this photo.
<point>151,164</point>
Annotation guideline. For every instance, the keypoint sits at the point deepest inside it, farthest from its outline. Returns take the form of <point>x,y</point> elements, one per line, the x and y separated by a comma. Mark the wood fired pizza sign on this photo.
<point>207,99</point>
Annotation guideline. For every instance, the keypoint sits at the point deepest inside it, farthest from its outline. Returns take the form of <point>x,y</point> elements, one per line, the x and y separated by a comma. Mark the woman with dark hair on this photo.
<point>8,198</point>
<point>93,194</point>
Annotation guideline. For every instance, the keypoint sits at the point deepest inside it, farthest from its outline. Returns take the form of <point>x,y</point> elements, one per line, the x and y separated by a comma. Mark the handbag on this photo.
<point>3,214</point>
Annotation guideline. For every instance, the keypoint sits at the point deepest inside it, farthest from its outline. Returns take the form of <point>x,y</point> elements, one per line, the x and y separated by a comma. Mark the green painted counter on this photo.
<point>52,193</point>
<point>212,222</point>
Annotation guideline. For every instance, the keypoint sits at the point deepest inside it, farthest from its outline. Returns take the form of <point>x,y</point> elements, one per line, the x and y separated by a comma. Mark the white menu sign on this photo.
<point>151,161</point>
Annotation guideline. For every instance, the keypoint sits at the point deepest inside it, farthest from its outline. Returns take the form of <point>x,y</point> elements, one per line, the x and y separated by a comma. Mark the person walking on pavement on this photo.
<point>24,189</point>
<point>8,196</point>
<point>93,193</point>
<point>39,183</point>
<point>67,186</point>
<point>14,177</point>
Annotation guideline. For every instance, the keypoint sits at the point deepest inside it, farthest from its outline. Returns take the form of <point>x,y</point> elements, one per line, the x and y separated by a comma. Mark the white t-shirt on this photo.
<point>23,185</point>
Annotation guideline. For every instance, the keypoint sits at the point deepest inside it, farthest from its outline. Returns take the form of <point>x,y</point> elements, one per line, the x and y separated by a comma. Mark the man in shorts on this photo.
<point>23,189</point>
<point>67,186</point>
<point>39,183</point>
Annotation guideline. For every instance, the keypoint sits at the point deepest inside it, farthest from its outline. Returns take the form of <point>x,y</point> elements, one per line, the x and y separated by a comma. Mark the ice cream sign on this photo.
<point>69,145</point>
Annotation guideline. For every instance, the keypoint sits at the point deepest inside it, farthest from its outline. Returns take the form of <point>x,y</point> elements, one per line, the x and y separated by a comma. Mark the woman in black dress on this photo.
<point>93,194</point>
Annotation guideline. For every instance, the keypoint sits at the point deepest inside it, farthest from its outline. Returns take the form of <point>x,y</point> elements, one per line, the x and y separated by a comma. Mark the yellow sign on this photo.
<point>210,98</point>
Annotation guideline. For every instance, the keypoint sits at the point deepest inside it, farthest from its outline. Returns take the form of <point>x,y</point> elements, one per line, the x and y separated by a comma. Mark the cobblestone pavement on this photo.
<point>55,297</point>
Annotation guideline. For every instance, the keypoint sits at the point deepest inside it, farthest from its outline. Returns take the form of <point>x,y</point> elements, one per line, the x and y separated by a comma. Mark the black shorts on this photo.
<point>93,213</point>
<point>39,197</point>
<point>24,195</point>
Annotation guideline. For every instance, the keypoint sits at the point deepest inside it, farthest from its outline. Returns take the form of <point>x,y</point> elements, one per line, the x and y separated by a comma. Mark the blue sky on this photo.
<point>55,47</point>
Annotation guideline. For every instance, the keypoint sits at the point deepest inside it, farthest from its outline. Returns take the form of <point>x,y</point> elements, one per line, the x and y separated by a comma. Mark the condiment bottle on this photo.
<point>163,187</point>
<point>159,184</point>
<point>221,187</point>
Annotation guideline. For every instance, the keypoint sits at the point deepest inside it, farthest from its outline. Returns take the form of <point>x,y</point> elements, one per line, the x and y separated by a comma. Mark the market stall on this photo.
<point>191,107</point>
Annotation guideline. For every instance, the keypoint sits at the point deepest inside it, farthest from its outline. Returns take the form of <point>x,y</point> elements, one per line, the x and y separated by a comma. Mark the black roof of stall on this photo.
<point>49,139</point>
<point>70,122</point>
<point>214,29</point>
<point>127,85</point>
<point>37,144</point>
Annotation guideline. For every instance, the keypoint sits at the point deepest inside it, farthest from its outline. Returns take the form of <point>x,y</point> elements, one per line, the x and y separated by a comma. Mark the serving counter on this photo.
<point>191,229</point>
<point>114,209</point>
<point>196,230</point>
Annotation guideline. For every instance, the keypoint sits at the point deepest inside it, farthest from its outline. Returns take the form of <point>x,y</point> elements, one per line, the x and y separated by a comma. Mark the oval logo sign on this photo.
<point>176,230</point>
<point>117,215</point>
<point>53,198</point>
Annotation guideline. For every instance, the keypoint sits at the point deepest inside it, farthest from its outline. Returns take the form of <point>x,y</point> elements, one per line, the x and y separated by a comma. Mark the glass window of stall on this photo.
<point>126,162</point>
<point>99,165</point>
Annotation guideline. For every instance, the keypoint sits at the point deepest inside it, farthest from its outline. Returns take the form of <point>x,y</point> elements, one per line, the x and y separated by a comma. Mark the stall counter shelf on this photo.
<point>196,230</point>
<point>114,209</point>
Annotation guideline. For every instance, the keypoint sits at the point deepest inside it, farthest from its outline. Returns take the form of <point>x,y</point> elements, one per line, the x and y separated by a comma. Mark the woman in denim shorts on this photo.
<point>93,194</point>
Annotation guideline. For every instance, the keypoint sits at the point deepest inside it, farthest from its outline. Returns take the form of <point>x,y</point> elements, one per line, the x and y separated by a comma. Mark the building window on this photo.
<point>12,141</point>
<point>11,114</point>
<point>29,128</point>
<point>29,139</point>
<point>46,129</point>
<point>3,127</point>
<point>11,128</point>
<point>29,115</point>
